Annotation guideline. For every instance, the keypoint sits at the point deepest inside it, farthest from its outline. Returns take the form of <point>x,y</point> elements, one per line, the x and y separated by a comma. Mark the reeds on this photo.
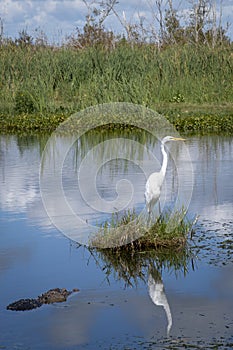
<point>159,248</point>
<point>135,265</point>
<point>44,80</point>
<point>131,232</point>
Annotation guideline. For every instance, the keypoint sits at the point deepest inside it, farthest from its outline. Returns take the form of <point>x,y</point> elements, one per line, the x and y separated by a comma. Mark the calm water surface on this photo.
<point>168,308</point>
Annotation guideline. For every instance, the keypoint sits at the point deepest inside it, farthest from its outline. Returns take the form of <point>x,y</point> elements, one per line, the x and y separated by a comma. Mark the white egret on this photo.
<point>158,296</point>
<point>155,180</point>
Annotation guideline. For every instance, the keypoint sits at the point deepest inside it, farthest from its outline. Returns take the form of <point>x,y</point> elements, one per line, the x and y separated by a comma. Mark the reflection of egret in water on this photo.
<point>130,266</point>
<point>158,296</point>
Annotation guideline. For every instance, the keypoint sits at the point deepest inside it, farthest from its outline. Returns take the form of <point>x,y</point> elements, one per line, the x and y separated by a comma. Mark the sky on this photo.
<point>59,18</point>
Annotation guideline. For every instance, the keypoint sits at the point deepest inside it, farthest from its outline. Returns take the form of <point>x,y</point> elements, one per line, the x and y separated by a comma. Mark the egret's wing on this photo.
<point>153,187</point>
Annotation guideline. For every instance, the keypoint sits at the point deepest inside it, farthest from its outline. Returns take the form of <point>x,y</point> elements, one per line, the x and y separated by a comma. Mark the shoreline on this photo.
<point>187,118</point>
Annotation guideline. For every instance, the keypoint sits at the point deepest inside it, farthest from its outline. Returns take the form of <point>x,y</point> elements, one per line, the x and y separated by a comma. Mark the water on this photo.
<point>165,308</point>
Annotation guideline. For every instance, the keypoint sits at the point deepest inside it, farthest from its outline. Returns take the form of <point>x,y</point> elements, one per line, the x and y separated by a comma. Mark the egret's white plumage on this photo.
<point>158,296</point>
<point>155,180</point>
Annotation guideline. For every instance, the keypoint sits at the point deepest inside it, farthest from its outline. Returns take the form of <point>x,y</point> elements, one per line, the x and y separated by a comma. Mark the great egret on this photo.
<point>155,180</point>
<point>158,296</point>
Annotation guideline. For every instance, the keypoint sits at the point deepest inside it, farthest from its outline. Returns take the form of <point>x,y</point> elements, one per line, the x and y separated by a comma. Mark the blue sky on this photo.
<point>59,18</point>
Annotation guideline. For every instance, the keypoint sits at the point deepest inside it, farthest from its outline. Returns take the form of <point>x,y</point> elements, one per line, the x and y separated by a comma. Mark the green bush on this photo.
<point>24,102</point>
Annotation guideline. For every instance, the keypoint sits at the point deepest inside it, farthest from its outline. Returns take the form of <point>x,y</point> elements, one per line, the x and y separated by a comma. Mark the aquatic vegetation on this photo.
<point>135,265</point>
<point>28,123</point>
<point>203,123</point>
<point>41,86</point>
<point>156,250</point>
<point>130,232</point>
<point>185,124</point>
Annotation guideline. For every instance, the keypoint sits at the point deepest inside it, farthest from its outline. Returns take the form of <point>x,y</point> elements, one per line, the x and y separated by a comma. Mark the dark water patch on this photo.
<point>184,343</point>
<point>213,242</point>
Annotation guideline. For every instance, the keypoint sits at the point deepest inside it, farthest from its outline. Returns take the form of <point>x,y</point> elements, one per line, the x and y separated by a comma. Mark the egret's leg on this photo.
<point>148,213</point>
<point>159,209</point>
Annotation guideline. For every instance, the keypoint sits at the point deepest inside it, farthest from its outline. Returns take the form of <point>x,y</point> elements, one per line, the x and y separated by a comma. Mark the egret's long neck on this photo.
<point>168,314</point>
<point>164,164</point>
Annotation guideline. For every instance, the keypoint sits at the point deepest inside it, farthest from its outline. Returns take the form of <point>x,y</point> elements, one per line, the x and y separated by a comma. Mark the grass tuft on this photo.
<point>164,245</point>
<point>131,232</point>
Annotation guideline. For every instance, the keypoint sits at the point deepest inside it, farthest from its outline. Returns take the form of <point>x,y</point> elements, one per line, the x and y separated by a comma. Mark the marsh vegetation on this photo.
<point>184,72</point>
<point>131,232</point>
<point>45,80</point>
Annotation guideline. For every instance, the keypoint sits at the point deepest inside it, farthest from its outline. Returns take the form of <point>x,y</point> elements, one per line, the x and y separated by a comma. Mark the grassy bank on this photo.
<point>40,86</point>
<point>184,121</point>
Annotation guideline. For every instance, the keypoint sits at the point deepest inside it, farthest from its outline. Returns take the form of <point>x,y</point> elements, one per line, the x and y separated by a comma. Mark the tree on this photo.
<point>203,27</point>
<point>199,19</point>
<point>175,34</point>
<point>94,33</point>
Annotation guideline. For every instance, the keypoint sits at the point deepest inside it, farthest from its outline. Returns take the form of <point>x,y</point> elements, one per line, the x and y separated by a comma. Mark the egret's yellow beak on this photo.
<point>178,139</point>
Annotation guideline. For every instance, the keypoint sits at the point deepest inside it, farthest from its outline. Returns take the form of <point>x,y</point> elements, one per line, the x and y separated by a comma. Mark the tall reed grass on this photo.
<point>53,80</point>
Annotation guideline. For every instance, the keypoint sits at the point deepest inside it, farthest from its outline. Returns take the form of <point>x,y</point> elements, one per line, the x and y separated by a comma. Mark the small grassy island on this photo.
<point>163,244</point>
<point>131,232</point>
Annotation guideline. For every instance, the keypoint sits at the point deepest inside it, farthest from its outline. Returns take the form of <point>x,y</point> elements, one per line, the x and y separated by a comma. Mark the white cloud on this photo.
<point>55,16</point>
<point>51,15</point>
<point>11,11</point>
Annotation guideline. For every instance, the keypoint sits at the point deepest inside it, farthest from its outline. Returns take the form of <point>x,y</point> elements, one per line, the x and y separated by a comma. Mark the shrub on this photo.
<point>24,102</point>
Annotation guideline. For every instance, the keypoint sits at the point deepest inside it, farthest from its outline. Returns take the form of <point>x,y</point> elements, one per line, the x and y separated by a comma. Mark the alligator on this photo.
<point>56,295</point>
